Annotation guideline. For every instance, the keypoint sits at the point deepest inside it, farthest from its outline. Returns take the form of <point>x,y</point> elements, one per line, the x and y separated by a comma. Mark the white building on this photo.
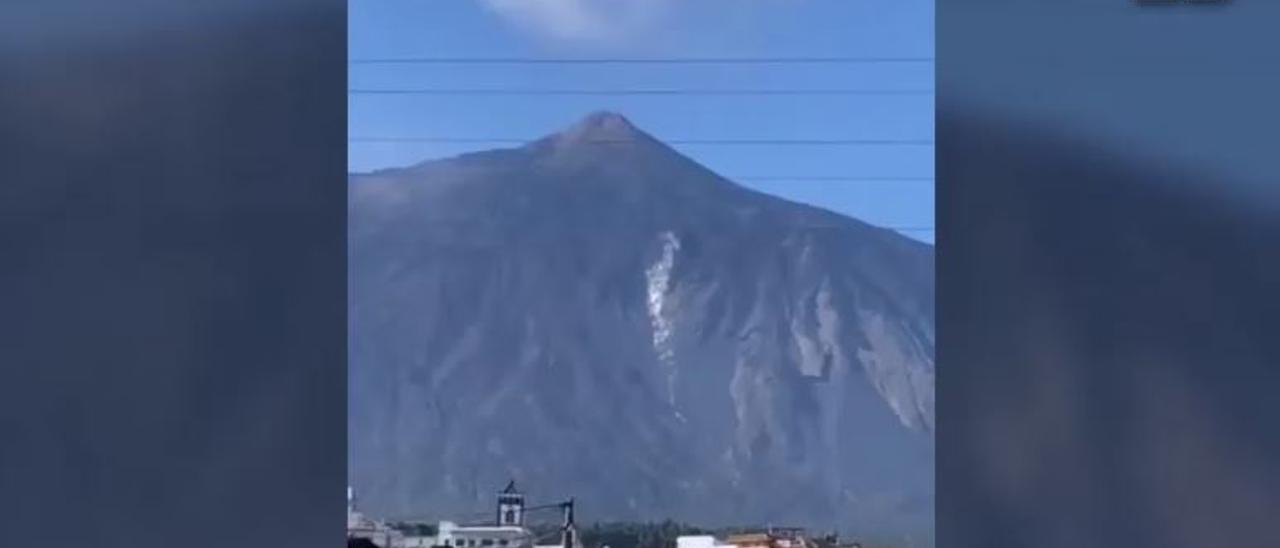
<point>485,536</point>
<point>506,531</point>
<point>413,541</point>
<point>359,526</point>
<point>702,541</point>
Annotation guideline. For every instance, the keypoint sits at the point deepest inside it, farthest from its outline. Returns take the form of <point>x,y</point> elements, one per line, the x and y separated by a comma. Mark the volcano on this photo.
<point>596,315</point>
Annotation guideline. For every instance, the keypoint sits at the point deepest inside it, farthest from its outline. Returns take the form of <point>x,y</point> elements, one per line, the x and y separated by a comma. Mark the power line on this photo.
<point>449,140</point>
<point>639,92</point>
<point>899,228</point>
<point>833,179</point>
<point>638,61</point>
<point>783,142</point>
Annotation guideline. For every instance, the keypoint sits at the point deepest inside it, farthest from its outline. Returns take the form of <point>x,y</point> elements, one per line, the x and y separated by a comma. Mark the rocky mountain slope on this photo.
<point>596,315</point>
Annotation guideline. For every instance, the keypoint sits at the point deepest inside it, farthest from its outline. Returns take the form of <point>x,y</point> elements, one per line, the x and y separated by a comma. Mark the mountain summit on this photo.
<point>602,126</point>
<point>618,323</point>
<point>611,144</point>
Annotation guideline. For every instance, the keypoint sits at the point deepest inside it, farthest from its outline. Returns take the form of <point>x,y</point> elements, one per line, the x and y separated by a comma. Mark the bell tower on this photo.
<point>511,507</point>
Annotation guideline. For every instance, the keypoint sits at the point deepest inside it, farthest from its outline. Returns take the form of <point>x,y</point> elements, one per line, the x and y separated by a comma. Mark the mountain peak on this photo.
<point>607,126</point>
<point>606,120</point>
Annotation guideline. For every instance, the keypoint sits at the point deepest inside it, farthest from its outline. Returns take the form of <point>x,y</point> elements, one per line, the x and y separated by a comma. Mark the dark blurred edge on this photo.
<point>1108,361</point>
<point>172,273</point>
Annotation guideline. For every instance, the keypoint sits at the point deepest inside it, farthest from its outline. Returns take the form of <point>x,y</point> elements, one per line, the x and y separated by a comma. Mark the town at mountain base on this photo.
<point>509,529</point>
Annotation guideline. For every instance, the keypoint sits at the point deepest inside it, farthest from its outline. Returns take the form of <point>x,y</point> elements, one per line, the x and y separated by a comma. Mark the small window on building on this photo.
<point>487,542</point>
<point>502,542</point>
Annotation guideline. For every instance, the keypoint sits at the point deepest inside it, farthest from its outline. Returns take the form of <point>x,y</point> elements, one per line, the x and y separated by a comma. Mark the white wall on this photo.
<point>702,541</point>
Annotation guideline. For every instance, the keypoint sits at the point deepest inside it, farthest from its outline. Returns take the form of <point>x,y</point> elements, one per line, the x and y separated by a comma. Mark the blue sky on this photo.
<point>666,29</point>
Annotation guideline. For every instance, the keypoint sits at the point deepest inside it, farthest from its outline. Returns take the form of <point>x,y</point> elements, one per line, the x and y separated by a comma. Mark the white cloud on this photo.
<point>600,21</point>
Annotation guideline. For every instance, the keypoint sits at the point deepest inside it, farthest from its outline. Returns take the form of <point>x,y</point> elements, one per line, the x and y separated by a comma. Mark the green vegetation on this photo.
<point>415,529</point>
<point>637,535</point>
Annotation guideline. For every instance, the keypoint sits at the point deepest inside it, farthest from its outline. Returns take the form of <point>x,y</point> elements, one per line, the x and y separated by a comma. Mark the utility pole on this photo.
<point>568,537</point>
